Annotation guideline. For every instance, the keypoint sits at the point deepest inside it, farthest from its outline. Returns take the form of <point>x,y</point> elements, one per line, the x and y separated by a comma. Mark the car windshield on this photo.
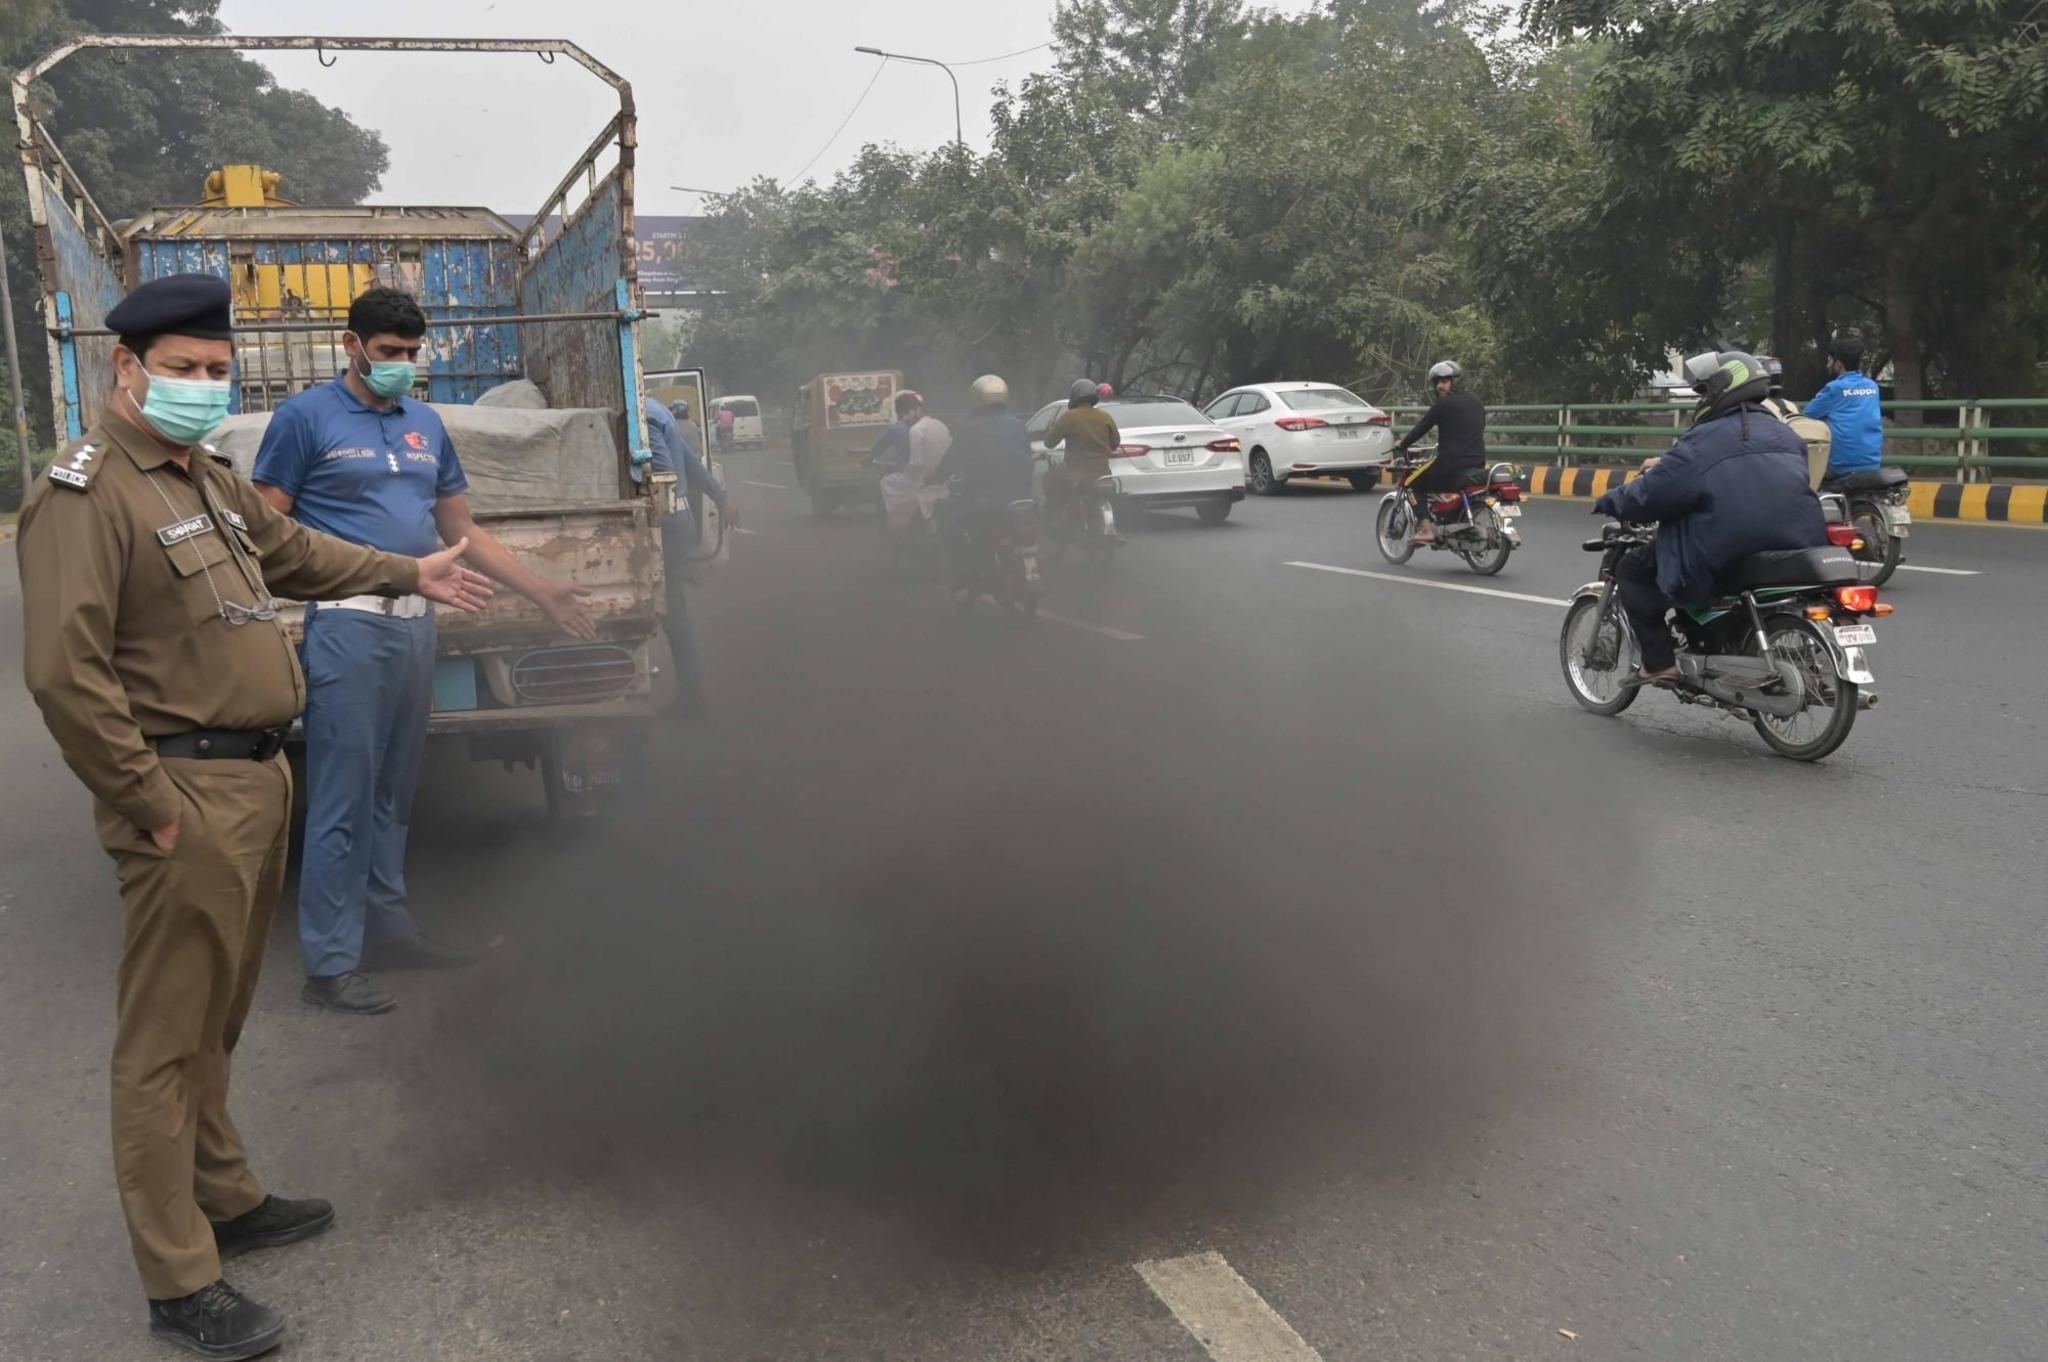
<point>1153,411</point>
<point>1322,399</point>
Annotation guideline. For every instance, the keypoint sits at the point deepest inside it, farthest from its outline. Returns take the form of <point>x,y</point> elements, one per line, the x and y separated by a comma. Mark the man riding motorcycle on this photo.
<point>1460,423</point>
<point>1849,405</point>
<point>906,497</point>
<point>987,468</point>
<point>1733,485</point>
<point>1091,438</point>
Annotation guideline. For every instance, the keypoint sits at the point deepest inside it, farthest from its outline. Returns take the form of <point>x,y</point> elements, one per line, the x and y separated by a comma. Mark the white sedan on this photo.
<point>1172,455</point>
<point>1304,430</point>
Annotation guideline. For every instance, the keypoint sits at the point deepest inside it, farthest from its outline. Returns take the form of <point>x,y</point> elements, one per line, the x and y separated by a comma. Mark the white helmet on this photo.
<point>991,391</point>
<point>1445,368</point>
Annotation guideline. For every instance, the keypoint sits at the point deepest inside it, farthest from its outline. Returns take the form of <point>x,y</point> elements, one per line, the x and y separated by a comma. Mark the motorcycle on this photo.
<point>1877,500</point>
<point>1088,517</point>
<point>1785,649</point>
<point>997,556</point>
<point>1477,522</point>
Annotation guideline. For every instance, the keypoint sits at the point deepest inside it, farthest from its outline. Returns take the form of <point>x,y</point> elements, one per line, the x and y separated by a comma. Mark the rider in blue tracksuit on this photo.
<point>1849,406</point>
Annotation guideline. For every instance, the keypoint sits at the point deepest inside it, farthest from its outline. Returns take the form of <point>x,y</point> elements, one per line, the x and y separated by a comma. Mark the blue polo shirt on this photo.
<point>1855,422</point>
<point>368,476</point>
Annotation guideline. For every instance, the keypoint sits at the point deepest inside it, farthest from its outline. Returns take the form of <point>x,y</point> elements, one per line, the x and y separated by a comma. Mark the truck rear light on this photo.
<point>1131,451</point>
<point>1300,423</point>
<point>1227,445</point>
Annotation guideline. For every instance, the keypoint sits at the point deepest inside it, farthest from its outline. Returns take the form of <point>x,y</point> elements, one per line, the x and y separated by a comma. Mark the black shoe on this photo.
<point>217,1321</point>
<point>352,992</point>
<point>274,1222</point>
<point>421,952</point>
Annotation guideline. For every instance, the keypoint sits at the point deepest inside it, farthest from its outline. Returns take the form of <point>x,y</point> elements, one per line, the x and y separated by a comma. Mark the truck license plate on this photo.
<point>1855,635</point>
<point>1179,456</point>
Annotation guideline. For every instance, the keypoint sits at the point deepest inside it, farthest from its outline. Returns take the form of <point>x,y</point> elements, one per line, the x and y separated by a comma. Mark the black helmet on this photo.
<point>1725,379</point>
<point>1083,393</point>
<point>1775,368</point>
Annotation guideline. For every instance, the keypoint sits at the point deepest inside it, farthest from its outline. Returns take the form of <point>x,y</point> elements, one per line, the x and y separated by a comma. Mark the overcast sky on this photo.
<point>726,89</point>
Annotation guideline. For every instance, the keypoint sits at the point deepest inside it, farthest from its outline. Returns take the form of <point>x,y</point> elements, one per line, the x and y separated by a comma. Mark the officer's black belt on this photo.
<point>222,744</point>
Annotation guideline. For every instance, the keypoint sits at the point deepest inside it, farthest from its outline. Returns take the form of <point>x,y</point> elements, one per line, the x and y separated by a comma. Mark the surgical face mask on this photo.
<point>390,379</point>
<point>183,410</point>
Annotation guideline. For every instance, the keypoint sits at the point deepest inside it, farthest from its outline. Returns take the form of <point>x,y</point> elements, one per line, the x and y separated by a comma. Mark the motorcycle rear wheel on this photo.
<point>1491,559</point>
<point>1394,528</point>
<point>1800,642</point>
<point>1881,549</point>
<point>1602,696</point>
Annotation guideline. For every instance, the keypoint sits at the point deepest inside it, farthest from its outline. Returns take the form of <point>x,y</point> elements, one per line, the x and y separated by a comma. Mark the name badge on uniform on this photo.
<point>184,529</point>
<point>70,477</point>
<point>235,520</point>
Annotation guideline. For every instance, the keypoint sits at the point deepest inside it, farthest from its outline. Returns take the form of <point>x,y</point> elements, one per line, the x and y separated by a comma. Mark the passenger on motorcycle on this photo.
<point>891,449</point>
<point>1814,433</point>
<point>1849,405</point>
<point>1733,485</point>
<point>1091,438</point>
<point>1460,425</point>
<point>987,468</point>
<point>906,494</point>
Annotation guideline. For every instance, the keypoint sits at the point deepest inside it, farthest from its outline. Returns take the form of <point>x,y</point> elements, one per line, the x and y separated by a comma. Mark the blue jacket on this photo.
<point>1734,485</point>
<point>1855,425</point>
<point>991,455</point>
<point>673,453</point>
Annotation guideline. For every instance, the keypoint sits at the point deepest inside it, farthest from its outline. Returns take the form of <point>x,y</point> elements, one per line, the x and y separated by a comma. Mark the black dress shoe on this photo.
<point>275,1221</point>
<point>217,1321</point>
<point>352,992</point>
<point>422,952</point>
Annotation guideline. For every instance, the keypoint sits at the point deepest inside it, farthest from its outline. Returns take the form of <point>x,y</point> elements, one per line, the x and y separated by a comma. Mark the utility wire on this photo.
<point>844,121</point>
<point>1021,52</point>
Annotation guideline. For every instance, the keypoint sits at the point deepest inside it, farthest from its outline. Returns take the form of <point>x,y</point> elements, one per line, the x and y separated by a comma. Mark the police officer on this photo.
<point>153,648</point>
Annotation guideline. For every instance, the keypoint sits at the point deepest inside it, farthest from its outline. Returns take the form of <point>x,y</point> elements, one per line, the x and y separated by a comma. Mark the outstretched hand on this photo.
<point>562,602</point>
<point>443,578</point>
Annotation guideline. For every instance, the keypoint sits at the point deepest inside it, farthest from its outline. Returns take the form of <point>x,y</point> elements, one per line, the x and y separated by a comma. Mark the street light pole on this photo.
<point>926,61</point>
<point>14,372</point>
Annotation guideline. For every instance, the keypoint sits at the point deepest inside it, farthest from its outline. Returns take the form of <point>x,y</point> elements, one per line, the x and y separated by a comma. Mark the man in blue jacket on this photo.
<point>987,468</point>
<point>1849,406</point>
<point>1734,485</point>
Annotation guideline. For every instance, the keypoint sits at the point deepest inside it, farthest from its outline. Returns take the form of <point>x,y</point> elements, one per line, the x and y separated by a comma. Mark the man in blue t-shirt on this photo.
<point>1849,405</point>
<point>360,459</point>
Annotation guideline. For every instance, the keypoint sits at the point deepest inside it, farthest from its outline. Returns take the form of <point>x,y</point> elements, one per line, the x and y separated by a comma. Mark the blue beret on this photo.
<point>177,305</point>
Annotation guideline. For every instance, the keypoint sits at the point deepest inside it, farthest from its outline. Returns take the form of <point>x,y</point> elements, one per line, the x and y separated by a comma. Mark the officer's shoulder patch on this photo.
<point>74,467</point>
<point>223,460</point>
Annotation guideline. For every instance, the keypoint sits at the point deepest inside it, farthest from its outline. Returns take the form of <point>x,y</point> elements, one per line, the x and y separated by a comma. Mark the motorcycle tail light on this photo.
<point>1844,537</point>
<point>1860,599</point>
<point>1508,491</point>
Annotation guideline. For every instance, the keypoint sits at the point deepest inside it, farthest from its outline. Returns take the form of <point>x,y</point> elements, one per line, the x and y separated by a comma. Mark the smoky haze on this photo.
<point>972,938</point>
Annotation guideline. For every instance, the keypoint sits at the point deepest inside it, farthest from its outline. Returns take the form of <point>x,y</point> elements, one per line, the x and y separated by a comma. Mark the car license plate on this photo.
<point>1347,432</point>
<point>1176,457</point>
<point>1855,635</point>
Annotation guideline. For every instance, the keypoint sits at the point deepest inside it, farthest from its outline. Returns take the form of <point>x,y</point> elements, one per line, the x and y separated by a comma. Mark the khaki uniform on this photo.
<point>1091,436</point>
<point>130,569</point>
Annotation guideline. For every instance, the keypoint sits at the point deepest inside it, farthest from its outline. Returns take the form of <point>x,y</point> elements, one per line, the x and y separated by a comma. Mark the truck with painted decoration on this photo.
<point>550,309</point>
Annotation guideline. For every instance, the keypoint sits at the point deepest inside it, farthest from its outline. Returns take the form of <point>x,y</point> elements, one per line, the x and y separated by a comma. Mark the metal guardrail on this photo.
<point>1563,435</point>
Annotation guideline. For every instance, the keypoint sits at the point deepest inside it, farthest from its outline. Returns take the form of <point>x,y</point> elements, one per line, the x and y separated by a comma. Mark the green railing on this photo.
<point>1598,432</point>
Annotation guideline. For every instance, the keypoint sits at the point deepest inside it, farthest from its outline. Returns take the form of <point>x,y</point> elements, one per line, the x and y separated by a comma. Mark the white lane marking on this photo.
<point>776,486</point>
<point>1231,1321</point>
<point>1430,581</point>
<point>1946,572</point>
<point>741,529</point>
<point>1092,627</point>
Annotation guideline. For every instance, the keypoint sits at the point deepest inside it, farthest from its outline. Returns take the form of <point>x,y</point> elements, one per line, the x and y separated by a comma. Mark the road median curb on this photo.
<point>1990,502</point>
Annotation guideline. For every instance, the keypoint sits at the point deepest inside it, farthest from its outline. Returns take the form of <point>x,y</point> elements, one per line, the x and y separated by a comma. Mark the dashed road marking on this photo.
<point>1231,1321</point>
<point>1430,581</point>
<point>1091,626</point>
<point>739,529</point>
<point>1946,572</point>
<point>773,486</point>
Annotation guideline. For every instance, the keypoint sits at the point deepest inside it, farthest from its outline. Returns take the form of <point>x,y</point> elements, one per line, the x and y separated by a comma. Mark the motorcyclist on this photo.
<point>1091,438</point>
<point>1460,423</point>
<point>1849,405</point>
<point>891,449</point>
<point>987,468</point>
<point>905,495</point>
<point>1733,485</point>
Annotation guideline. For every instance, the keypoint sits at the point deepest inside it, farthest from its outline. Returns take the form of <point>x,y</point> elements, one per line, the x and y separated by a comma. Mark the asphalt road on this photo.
<point>957,968</point>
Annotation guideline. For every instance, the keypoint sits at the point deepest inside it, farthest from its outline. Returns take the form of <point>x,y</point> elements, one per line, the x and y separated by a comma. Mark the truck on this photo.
<point>555,302</point>
<point>833,426</point>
